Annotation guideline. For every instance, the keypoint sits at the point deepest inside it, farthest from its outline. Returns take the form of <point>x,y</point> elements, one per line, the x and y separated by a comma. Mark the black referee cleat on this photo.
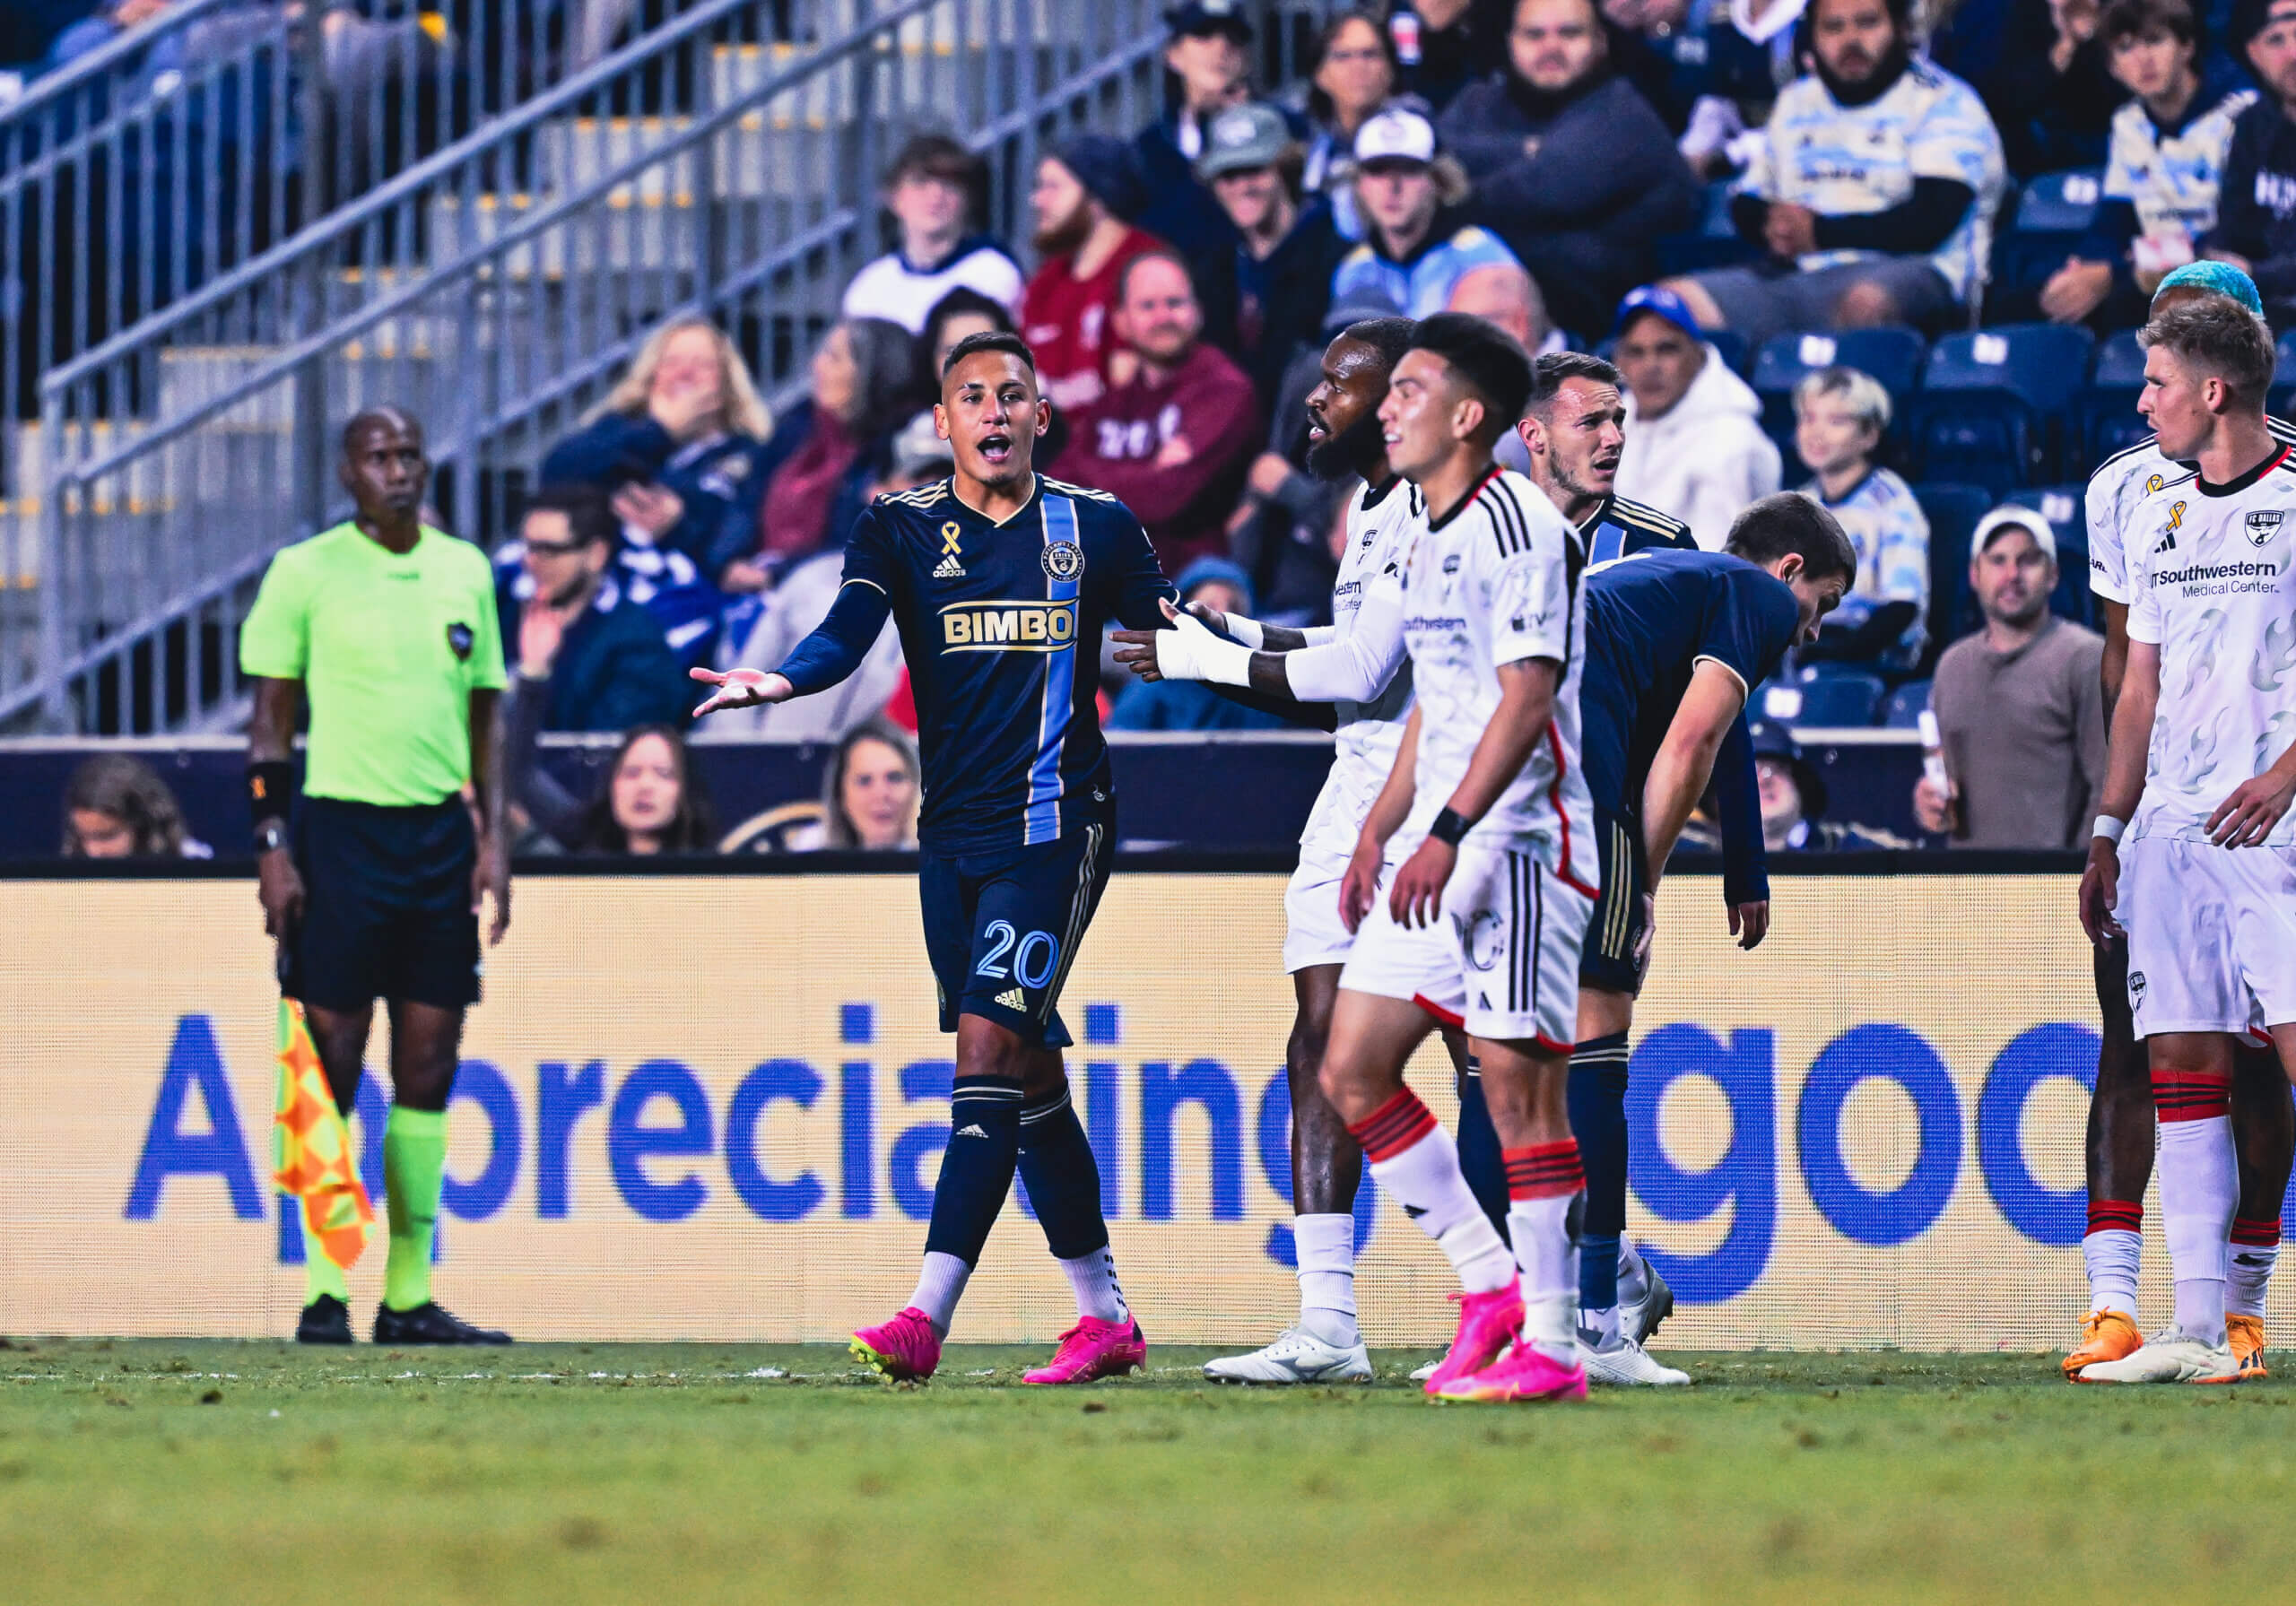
<point>327,1320</point>
<point>430,1322</point>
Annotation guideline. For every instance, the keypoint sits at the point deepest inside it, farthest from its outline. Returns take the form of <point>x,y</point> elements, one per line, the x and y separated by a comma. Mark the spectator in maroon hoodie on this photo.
<point>1175,432</point>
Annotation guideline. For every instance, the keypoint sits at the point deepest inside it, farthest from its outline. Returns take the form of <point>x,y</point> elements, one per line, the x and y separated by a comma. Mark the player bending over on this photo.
<point>1484,917</point>
<point>2201,767</point>
<point>2122,1127</point>
<point>1674,640</point>
<point>1000,580</point>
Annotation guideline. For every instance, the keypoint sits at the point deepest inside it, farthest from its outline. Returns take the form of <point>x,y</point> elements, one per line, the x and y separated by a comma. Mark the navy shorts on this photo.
<point>385,905</point>
<point>1002,928</point>
<point>1617,952</point>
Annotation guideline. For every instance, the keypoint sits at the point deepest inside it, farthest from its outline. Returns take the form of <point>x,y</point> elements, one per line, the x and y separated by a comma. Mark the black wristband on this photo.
<point>1449,826</point>
<point>271,790</point>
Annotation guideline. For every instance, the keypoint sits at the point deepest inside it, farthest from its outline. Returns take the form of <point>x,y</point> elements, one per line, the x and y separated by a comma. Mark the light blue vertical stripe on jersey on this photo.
<point>1059,688</point>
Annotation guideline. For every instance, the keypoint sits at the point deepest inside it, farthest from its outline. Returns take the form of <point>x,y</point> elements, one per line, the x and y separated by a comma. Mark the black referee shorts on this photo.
<point>387,910</point>
<point>1617,952</point>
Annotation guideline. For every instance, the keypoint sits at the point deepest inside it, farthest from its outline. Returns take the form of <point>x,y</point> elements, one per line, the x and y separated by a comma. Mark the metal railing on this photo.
<point>497,288</point>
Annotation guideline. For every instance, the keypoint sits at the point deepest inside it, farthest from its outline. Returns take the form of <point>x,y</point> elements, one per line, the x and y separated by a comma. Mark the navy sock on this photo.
<point>1598,1121</point>
<point>1479,1156</point>
<point>977,1170</point>
<point>1063,1178</point>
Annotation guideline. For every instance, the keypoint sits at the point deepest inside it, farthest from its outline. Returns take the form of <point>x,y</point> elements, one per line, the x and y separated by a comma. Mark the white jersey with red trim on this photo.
<point>1495,581</point>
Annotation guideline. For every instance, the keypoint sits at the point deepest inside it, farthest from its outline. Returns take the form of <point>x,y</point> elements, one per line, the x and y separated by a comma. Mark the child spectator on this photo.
<point>1417,243</point>
<point>649,801</point>
<point>935,191</point>
<point>2164,165</point>
<point>1085,193</point>
<point>116,807</point>
<point>870,795</point>
<point>1839,416</point>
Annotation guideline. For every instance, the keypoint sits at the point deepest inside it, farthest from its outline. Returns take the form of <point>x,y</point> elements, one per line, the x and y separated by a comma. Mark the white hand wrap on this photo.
<point>1246,630</point>
<point>2108,828</point>
<point>1190,652</point>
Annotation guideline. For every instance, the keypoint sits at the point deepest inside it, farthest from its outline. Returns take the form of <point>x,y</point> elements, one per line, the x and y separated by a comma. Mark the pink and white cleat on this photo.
<point>904,1349</point>
<point>1488,1324</point>
<point>1524,1373</point>
<point>1094,1349</point>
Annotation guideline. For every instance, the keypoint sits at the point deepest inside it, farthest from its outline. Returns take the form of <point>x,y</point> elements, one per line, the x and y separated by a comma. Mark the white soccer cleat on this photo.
<point>1427,1371</point>
<point>1621,1362</point>
<point>1640,1319</point>
<point>2169,1355</point>
<point>1297,1356</point>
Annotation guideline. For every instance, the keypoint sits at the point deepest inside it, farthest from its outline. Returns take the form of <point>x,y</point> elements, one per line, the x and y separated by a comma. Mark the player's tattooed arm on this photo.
<point>2126,755</point>
<point>1360,884</point>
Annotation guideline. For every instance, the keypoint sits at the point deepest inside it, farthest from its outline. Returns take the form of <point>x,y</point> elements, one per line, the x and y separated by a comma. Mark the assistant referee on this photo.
<point>372,883</point>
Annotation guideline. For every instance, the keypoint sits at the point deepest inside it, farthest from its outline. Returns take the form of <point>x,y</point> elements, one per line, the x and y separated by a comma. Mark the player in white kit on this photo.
<point>2202,770</point>
<point>2121,1125</point>
<point>1485,919</point>
<point>1359,665</point>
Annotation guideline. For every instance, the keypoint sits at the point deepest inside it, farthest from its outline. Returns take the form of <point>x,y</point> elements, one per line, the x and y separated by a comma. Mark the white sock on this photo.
<point>1598,1326</point>
<point>2113,1254</point>
<point>2249,1272</point>
<point>2200,1184</point>
<point>1093,1277</point>
<point>1325,1247</point>
<point>940,1284</point>
<point>1633,1275</point>
<point>1423,1177</point>
<point>1541,1231</point>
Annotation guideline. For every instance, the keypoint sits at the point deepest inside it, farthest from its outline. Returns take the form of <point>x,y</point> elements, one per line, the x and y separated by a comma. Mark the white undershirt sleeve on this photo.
<point>1355,667</point>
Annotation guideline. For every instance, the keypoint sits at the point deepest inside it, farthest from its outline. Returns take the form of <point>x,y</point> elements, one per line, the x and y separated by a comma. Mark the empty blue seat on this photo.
<point>2063,507</point>
<point>1711,242</point>
<point>2050,217</point>
<point>2284,377</point>
<point>2106,412</point>
<point>1993,402</point>
<point>1952,511</point>
<point>1832,696</point>
<point>1904,707</point>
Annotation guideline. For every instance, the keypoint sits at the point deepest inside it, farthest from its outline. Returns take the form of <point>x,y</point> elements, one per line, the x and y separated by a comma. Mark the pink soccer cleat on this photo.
<point>1524,1373</point>
<point>1488,1324</point>
<point>904,1349</point>
<point>1094,1349</point>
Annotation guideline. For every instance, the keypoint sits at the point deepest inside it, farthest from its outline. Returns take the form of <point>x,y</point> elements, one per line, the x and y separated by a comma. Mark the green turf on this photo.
<point>185,1472</point>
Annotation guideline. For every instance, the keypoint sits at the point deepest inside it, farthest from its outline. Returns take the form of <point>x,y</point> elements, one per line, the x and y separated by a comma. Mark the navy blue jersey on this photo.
<point>1650,619</point>
<point>1618,528</point>
<point>1001,626</point>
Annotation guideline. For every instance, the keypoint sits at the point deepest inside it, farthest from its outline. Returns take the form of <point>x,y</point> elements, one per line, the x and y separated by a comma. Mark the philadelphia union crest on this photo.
<point>1064,560</point>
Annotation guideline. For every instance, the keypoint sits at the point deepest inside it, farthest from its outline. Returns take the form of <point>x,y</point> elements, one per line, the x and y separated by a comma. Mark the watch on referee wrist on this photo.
<point>270,836</point>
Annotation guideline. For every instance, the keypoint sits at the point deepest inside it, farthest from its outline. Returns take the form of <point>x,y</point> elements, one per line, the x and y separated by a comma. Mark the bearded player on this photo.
<point>2121,1132</point>
<point>1001,581</point>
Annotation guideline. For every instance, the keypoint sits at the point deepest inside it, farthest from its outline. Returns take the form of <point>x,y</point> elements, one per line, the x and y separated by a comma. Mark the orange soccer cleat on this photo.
<point>2105,1335</point>
<point>2246,1334</point>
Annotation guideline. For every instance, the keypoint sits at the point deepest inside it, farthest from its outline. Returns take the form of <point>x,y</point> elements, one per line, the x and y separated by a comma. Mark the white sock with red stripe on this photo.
<point>2113,1250</point>
<point>1415,1160</point>
<point>2200,1184</point>
<point>2255,1250</point>
<point>1542,1181</point>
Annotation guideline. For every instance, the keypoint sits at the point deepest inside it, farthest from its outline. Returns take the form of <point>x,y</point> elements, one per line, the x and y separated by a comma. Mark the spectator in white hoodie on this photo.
<point>1695,443</point>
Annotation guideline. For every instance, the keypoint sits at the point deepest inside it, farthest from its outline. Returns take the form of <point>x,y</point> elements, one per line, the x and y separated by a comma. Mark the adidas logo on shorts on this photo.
<point>973,1131</point>
<point>1011,999</point>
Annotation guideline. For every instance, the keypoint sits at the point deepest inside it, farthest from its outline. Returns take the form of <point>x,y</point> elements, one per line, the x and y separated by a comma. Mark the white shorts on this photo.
<point>1502,960</point>
<point>1313,932</point>
<point>2211,935</point>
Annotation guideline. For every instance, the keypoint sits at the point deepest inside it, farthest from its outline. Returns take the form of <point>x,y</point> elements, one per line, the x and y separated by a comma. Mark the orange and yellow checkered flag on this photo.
<point>312,1149</point>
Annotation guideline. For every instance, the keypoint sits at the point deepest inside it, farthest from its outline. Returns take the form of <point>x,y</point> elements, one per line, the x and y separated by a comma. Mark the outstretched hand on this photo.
<point>741,689</point>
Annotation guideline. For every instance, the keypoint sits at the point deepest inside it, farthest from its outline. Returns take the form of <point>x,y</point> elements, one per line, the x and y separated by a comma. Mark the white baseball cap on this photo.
<point>2009,516</point>
<point>1398,133</point>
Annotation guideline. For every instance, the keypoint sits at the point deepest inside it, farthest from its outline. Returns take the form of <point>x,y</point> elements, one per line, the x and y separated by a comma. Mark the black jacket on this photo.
<point>2256,207</point>
<point>1580,186</point>
<point>612,671</point>
<point>1261,312</point>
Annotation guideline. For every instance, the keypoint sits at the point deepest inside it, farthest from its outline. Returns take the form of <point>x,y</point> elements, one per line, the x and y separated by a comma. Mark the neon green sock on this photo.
<point>320,1274</point>
<point>415,1171</point>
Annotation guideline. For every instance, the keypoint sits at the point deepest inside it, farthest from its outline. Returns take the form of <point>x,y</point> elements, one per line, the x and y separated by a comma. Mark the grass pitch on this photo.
<point>186,1472</point>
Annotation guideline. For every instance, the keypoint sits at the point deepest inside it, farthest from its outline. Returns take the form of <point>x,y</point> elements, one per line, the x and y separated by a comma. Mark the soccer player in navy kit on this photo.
<point>1000,581</point>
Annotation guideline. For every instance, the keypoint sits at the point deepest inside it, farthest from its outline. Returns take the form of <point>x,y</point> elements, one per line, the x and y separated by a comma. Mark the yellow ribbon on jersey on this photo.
<point>311,1153</point>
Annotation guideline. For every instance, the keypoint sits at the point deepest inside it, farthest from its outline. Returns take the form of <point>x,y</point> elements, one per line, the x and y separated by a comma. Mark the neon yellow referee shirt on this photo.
<point>389,648</point>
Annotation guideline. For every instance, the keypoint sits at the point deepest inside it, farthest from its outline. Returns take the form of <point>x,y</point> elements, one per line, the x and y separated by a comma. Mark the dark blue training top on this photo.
<point>1001,626</point>
<point>1650,619</point>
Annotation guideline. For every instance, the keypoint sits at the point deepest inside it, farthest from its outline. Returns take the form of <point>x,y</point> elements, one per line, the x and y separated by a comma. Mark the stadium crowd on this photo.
<point>1893,258</point>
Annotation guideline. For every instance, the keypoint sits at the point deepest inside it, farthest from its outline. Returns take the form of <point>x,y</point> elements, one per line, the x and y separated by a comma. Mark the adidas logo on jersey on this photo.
<point>1011,999</point>
<point>950,569</point>
<point>973,1131</point>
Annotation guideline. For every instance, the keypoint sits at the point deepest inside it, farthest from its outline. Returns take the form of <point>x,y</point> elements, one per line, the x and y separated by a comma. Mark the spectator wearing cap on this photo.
<point>1839,416</point>
<point>2256,218</point>
<point>2165,159</point>
<point>1265,291</point>
<point>933,191</point>
<point>591,657</point>
<point>1794,802</point>
<point>1570,164</point>
<point>1207,59</point>
<point>2019,706</point>
<point>1695,447</point>
<point>1191,705</point>
<point>1354,72</point>
<point>1872,189</point>
<point>1417,241</point>
<point>1172,440</point>
<point>1083,196</point>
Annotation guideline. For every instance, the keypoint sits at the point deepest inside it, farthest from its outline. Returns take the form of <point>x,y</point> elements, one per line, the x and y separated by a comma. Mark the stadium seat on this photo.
<point>2108,417</point>
<point>2050,217</point>
<point>1993,401</point>
<point>1892,354</point>
<point>1952,511</point>
<point>2062,505</point>
<point>1712,242</point>
<point>2284,376</point>
<point>1903,708</point>
<point>1832,696</point>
